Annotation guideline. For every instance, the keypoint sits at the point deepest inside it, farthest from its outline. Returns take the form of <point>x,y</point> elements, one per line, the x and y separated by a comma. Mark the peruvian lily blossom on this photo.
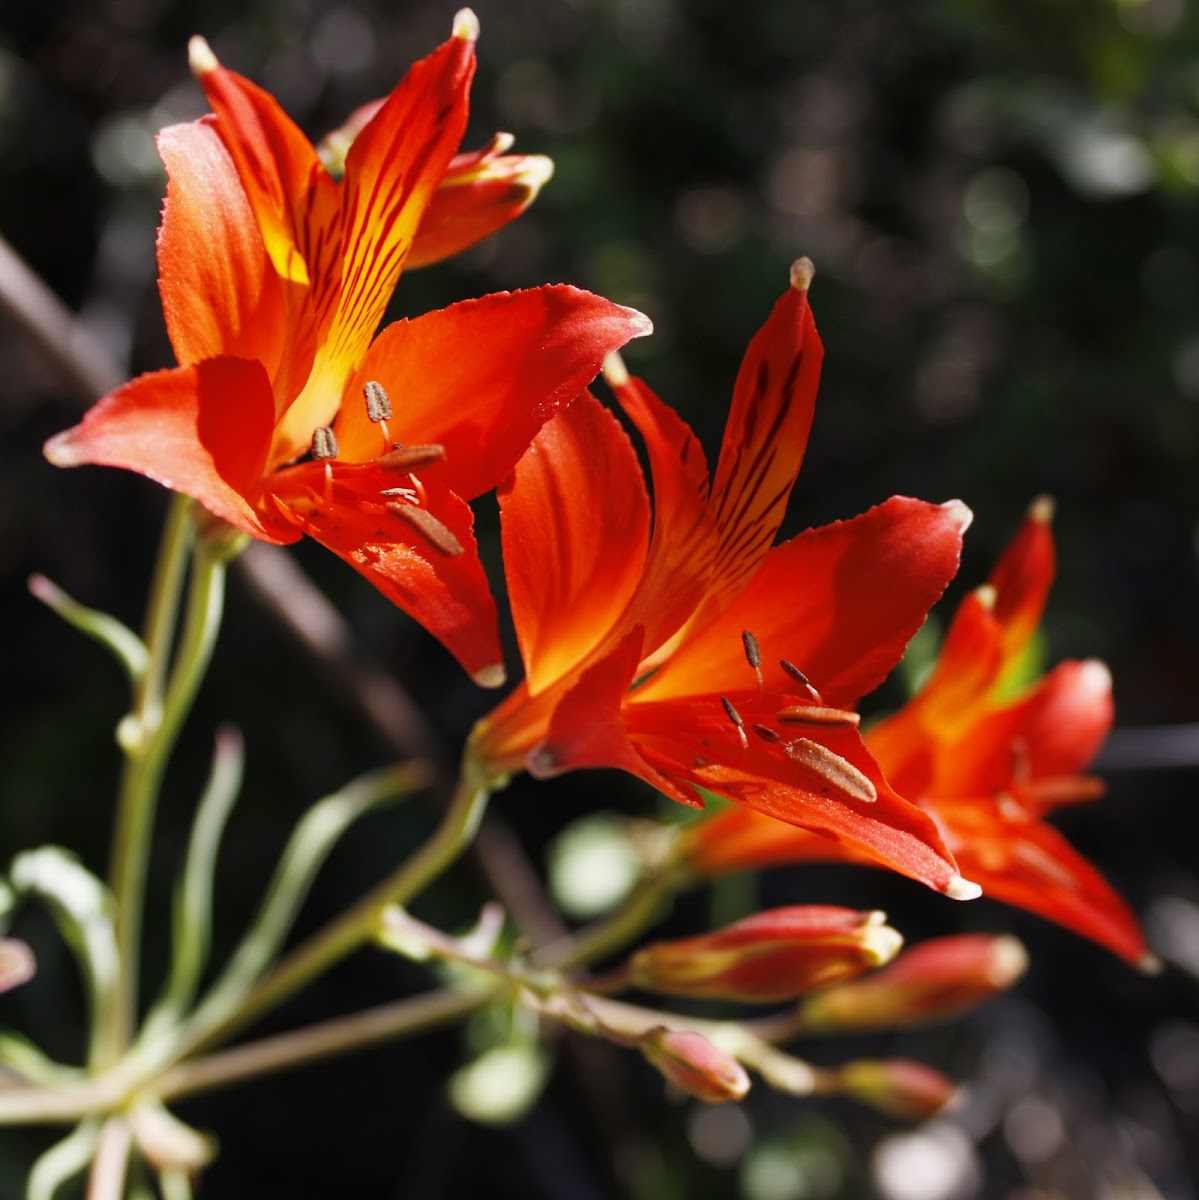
<point>695,656</point>
<point>284,417</point>
<point>987,765</point>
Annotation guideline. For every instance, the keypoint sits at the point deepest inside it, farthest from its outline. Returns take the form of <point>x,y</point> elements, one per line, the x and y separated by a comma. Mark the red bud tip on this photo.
<point>898,1087</point>
<point>200,57</point>
<point>933,981</point>
<point>1042,510</point>
<point>802,274</point>
<point>17,964</point>
<point>695,1065</point>
<point>466,25</point>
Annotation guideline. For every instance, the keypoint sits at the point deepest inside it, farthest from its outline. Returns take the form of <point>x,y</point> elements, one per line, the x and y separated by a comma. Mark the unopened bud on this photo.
<point>17,965</point>
<point>933,981</point>
<point>695,1065</point>
<point>774,955</point>
<point>898,1087</point>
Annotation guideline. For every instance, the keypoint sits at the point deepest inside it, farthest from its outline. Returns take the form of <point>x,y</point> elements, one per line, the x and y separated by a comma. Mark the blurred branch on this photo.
<point>66,345</point>
<point>1155,746</point>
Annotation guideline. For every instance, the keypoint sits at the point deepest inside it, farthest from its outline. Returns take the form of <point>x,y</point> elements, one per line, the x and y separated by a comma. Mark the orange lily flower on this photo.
<point>989,768</point>
<point>656,653</point>
<point>274,277</point>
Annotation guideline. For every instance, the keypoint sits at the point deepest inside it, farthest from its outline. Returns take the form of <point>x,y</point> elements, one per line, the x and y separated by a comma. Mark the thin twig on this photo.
<point>65,343</point>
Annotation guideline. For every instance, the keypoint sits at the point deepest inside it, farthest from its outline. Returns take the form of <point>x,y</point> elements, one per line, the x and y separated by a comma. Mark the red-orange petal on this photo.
<point>765,439</point>
<point>694,742</point>
<point>1032,866</point>
<point>292,195</point>
<point>575,520</point>
<point>481,377</point>
<point>479,193</point>
<point>220,295</point>
<point>588,730</point>
<point>202,430</point>
<point>682,553</point>
<point>1022,578</point>
<point>391,172</point>
<point>840,602</point>
<point>1053,731</point>
<point>438,580</point>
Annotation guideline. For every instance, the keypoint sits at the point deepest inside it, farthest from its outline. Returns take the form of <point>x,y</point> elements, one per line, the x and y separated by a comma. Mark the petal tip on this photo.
<point>959,513</point>
<point>616,374</point>
<point>493,676</point>
<point>1149,964</point>
<point>1042,510</point>
<point>1008,961</point>
<point>881,943</point>
<point>802,274</point>
<point>1096,675</point>
<point>959,888</point>
<point>987,595</point>
<point>536,170</point>
<point>640,324</point>
<point>60,450</point>
<point>200,57</point>
<point>466,25</point>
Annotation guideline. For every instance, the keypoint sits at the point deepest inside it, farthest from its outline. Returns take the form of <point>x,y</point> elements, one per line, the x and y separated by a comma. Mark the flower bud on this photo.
<point>898,1087</point>
<point>933,981</point>
<point>695,1065</point>
<point>774,955</point>
<point>17,965</point>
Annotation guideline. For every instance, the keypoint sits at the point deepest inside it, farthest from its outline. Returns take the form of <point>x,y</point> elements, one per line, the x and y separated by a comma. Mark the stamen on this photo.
<point>735,717</point>
<point>378,406</point>
<point>800,678</point>
<point>324,449</point>
<point>753,655</point>
<point>766,733</point>
<point>404,493</point>
<point>378,402</point>
<point>833,769</point>
<point>816,714</point>
<point>438,535</point>
<point>408,458</point>
<point>324,443</point>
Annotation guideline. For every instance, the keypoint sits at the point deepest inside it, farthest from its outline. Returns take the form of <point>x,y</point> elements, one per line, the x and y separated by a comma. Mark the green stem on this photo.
<point>156,719</point>
<point>324,1040</point>
<point>614,931</point>
<point>359,924</point>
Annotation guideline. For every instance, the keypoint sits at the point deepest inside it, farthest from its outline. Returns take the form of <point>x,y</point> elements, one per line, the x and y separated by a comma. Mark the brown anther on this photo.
<point>833,769</point>
<point>766,733</point>
<point>817,714</point>
<point>324,443</point>
<point>408,458</point>
<point>753,655</point>
<point>734,716</point>
<point>437,534</point>
<point>378,402</point>
<point>799,677</point>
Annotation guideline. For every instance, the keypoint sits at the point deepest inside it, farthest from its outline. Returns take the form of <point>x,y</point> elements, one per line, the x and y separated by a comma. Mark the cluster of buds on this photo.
<point>819,957</point>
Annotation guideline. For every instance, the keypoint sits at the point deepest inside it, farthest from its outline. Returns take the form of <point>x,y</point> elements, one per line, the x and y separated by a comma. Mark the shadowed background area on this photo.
<point>1002,203</point>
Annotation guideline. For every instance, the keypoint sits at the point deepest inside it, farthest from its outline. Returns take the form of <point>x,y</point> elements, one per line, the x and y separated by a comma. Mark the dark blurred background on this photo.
<point>1002,201</point>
